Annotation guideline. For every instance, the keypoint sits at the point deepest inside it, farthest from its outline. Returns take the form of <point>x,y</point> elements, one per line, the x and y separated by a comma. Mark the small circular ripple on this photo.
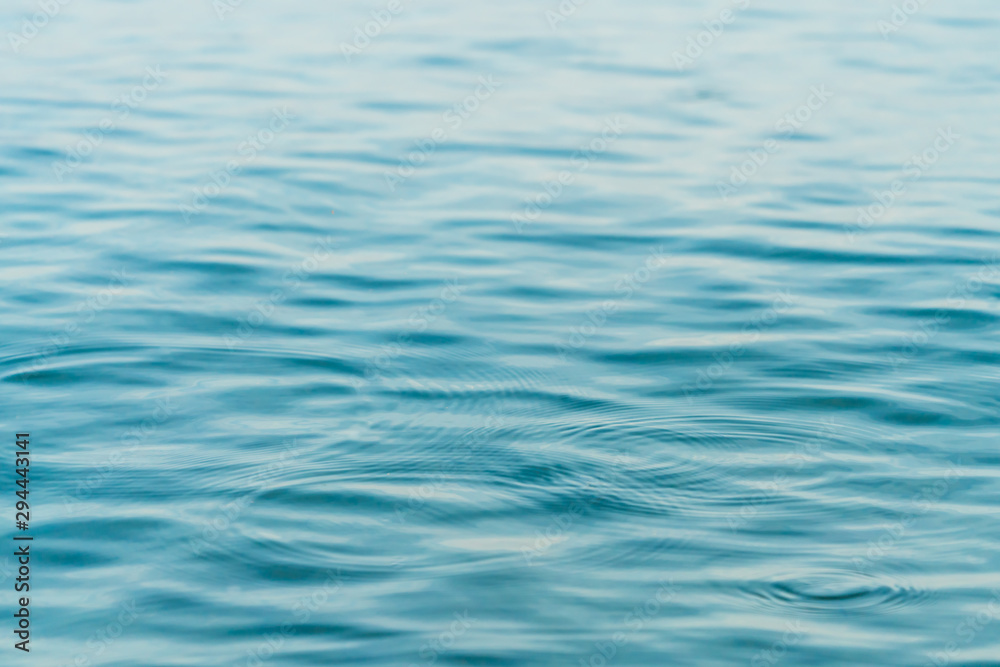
<point>835,592</point>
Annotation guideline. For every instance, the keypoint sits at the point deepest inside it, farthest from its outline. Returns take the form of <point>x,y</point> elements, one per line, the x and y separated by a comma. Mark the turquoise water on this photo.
<point>643,333</point>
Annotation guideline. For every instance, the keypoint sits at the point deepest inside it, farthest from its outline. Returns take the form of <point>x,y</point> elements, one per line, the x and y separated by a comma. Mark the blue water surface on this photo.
<point>432,333</point>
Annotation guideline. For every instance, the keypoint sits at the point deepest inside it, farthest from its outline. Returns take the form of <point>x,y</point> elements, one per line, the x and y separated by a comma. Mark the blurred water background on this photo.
<point>524,333</point>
